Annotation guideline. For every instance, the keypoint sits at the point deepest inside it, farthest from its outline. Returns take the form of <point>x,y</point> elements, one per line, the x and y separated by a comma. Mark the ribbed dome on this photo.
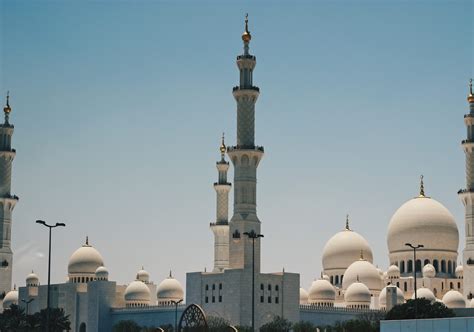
<point>357,293</point>
<point>383,297</point>
<point>102,273</point>
<point>137,293</point>
<point>429,271</point>
<point>170,290</point>
<point>85,260</point>
<point>321,291</point>
<point>454,299</point>
<point>459,271</point>
<point>426,293</point>
<point>303,296</point>
<point>143,275</point>
<point>393,272</point>
<point>32,280</point>
<point>365,272</point>
<point>343,249</point>
<point>10,298</point>
<point>422,220</point>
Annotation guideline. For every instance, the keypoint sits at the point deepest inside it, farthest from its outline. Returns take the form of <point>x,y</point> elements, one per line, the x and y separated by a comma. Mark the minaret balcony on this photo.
<point>239,88</point>
<point>8,154</point>
<point>468,145</point>
<point>243,147</point>
<point>246,56</point>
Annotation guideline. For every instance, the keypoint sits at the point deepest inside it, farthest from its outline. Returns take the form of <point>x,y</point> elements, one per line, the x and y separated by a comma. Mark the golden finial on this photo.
<point>222,148</point>
<point>361,254</point>
<point>470,97</point>
<point>246,36</point>
<point>7,109</point>
<point>358,278</point>
<point>422,187</point>
<point>171,274</point>
<point>87,240</point>
<point>347,222</point>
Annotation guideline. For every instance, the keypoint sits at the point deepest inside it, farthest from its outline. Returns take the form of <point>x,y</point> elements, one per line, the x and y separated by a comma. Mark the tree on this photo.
<point>243,328</point>
<point>279,324</point>
<point>58,320</point>
<point>13,319</point>
<point>217,324</point>
<point>304,327</point>
<point>425,309</point>
<point>126,326</point>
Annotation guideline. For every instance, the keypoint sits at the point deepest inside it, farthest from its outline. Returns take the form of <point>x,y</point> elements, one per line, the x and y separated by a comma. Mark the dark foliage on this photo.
<point>425,309</point>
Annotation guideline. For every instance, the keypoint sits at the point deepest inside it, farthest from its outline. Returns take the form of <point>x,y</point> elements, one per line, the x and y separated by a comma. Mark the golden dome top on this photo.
<point>222,148</point>
<point>470,97</point>
<point>7,109</point>
<point>246,36</point>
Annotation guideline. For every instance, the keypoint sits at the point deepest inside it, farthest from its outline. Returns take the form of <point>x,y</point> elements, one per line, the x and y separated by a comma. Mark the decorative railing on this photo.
<point>464,141</point>
<point>11,196</point>
<point>469,115</point>
<point>255,88</point>
<point>462,191</point>
<point>7,150</point>
<point>220,223</point>
<point>166,307</point>
<point>315,307</point>
<point>224,184</point>
<point>243,147</point>
<point>246,56</point>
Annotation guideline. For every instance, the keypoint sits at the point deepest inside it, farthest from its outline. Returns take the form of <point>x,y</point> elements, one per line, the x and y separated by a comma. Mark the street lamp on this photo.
<point>252,235</point>
<point>49,265</point>
<point>414,269</point>
<point>176,313</point>
<point>27,303</point>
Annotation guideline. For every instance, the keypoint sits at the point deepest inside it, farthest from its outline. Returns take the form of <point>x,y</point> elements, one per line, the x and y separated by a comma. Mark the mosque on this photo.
<point>349,284</point>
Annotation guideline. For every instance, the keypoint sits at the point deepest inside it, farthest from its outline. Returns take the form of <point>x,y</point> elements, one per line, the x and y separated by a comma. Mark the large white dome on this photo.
<point>344,248</point>
<point>365,272</point>
<point>357,294</point>
<point>169,290</point>
<point>454,299</point>
<point>85,261</point>
<point>321,291</point>
<point>422,220</point>
<point>426,293</point>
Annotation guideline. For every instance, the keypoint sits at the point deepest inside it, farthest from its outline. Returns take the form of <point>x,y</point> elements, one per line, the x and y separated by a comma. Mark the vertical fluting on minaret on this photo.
<point>467,197</point>
<point>245,157</point>
<point>7,201</point>
<point>221,227</point>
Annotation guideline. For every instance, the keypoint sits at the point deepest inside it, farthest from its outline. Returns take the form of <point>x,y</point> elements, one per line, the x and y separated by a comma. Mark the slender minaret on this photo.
<point>467,197</point>
<point>221,227</point>
<point>7,202</point>
<point>245,157</point>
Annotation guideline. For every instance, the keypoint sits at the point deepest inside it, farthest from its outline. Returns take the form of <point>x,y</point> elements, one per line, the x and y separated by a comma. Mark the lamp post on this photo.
<point>27,302</point>
<point>414,270</point>
<point>176,313</point>
<point>252,235</point>
<point>49,265</point>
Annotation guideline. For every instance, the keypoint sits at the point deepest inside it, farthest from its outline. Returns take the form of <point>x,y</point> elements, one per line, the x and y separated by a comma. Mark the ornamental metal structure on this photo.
<point>193,319</point>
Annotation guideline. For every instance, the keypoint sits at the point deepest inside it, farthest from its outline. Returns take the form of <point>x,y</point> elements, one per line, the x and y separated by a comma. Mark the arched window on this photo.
<point>427,261</point>
<point>82,328</point>
<point>337,280</point>
<point>459,285</point>
<point>450,267</point>
<point>436,265</point>
<point>398,284</point>
<point>402,267</point>
<point>332,280</point>
<point>405,286</point>
<point>341,278</point>
<point>418,265</point>
<point>450,285</point>
<point>410,266</point>
<point>435,291</point>
<point>443,266</point>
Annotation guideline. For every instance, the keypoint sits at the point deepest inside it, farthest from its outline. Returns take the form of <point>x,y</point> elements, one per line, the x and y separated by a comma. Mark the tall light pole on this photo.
<point>49,265</point>
<point>27,303</point>
<point>414,270</point>
<point>176,313</point>
<point>252,235</point>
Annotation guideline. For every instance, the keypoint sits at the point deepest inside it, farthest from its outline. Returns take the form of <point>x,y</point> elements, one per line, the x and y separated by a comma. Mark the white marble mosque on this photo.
<point>349,284</point>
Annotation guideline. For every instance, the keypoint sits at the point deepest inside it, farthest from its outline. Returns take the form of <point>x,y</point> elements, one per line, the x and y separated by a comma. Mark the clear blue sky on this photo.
<point>119,106</point>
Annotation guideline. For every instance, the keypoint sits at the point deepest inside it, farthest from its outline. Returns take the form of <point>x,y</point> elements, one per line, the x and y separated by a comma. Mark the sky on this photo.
<point>119,106</point>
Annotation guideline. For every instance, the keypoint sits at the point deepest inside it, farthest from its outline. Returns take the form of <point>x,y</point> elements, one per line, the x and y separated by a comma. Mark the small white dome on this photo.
<point>85,260</point>
<point>393,272</point>
<point>429,271</point>
<point>325,277</point>
<point>10,298</point>
<point>383,296</point>
<point>102,273</point>
<point>321,291</point>
<point>471,303</point>
<point>137,293</point>
<point>357,294</point>
<point>169,290</point>
<point>422,220</point>
<point>365,272</point>
<point>303,296</point>
<point>426,293</point>
<point>344,248</point>
<point>454,299</point>
<point>143,275</point>
<point>32,280</point>
<point>459,271</point>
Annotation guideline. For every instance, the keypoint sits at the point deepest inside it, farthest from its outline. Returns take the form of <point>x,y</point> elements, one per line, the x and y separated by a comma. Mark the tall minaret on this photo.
<point>467,197</point>
<point>7,202</point>
<point>245,157</point>
<point>221,227</point>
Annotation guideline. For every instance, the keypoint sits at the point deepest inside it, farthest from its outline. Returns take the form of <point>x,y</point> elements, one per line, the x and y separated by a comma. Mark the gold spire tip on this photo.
<point>171,274</point>
<point>87,240</point>
<point>422,187</point>
<point>246,36</point>
<point>347,222</point>
<point>361,254</point>
<point>222,148</point>
<point>7,109</point>
<point>470,97</point>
